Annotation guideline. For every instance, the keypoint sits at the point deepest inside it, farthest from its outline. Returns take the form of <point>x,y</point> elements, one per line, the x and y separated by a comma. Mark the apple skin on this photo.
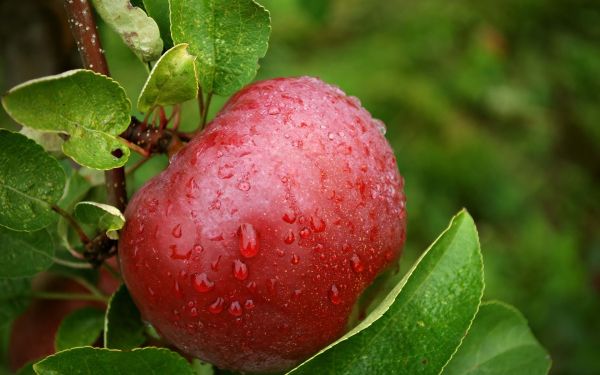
<point>251,248</point>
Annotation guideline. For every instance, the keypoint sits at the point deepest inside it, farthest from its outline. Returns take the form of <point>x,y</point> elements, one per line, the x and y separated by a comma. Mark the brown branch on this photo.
<point>82,236</point>
<point>83,28</point>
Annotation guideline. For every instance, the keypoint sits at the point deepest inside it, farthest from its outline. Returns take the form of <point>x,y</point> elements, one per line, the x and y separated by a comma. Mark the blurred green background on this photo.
<point>493,106</point>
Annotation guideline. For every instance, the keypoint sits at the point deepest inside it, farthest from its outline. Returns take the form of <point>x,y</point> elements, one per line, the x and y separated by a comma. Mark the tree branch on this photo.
<point>83,27</point>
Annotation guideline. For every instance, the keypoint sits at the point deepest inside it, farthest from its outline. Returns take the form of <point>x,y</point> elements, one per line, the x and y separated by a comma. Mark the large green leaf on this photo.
<point>30,182</point>
<point>96,361</point>
<point>123,326</point>
<point>499,342</point>
<point>159,10</point>
<point>139,32</point>
<point>173,80</point>
<point>24,254</point>
<point>418,327</point>
<point>80,328</point>
<point>103,216</point>
<point>91,108</point>
<point>227,36</point>
<point>14,298</point>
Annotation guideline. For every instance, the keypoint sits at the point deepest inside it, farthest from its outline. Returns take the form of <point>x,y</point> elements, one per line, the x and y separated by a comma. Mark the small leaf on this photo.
<point>202,368</point>
<point>96,361</point>
<point>103,216</point>
<point>159,10</point>
<point>139,32</point>
<point>172,80</point>
<point>499,342</point>
<point>30,182</point>
<point>123,326</point>
<point>80,328</point>
<point>227,36</point>
<point>14,298</point>
<point>418,327</point>
<point>92,108</point>
<point>25,253</point>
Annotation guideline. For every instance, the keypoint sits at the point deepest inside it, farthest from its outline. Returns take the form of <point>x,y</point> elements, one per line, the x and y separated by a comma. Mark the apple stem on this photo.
<point>84,30</point>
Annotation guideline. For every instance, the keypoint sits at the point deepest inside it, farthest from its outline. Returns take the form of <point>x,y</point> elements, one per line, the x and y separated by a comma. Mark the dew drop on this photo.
<point>201,282</point>
<point>271,284</point>
<point>334,295</point>
<point>176,232</point>
<point>296,293</point>
<point>357,264</point>
<point>244,186</point>
<point>305,232</point>
<point>179,254</point>
<point>317,224</point>
<point>177,289</point>
<point>240,270</point>
<point>248,240</point>
<point>251,286</point>
<point>318,248</point>
<point>214,265</point>
<point>193,312</point>
<point>151,292</point>
<point>140,228</point>
<point>289,239</point>
<point>289,217</point>
<point>279,252</point>
<point>225,171</point>
<point>198,248</point>
<point>295,259</point>
<point>235,308</point>
<point>249,304</point>
<point>217,306</point>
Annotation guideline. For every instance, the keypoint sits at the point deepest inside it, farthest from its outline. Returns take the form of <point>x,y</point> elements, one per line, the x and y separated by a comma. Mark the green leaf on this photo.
<point>97,361</point>
<point>159,10</point>
<point>499,342</point>
<point>80,328</point>
<point>173,80</point>
<point>139,32</point>
<point>30,182</point>
<point>418,327</point>
<point>227,36</point>
<point>202,368</point>
<point>92,108</point>
<point>103,216</point>
<point>123,326</point>
<point>25,253</point>
<point>14,298</point>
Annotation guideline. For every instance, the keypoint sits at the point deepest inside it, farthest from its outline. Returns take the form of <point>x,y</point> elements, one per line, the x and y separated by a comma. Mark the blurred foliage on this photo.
<point>493,106</point>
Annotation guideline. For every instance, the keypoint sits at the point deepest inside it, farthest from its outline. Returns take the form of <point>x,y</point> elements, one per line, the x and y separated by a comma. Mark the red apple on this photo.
<point>251,249</point>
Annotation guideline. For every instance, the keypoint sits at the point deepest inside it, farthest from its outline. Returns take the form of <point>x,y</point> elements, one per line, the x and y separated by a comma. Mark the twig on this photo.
<point>74,224</point>
<point>83,28</point>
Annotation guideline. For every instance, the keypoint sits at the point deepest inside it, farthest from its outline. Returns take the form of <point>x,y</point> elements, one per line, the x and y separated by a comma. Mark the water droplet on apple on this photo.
<point>217,306</point>
<point>334,295</point>
<point>214,265</point>
<point>244,186</point>
<point>251,286</point>
<point>289,217</point>
<point>357,264</point>
<point>235,309</point>
<point>248,240</point>
<point>177,253</point>
<point>249,304</point>
<point>289,239</point>
<point>295,259</point>
<point>193,312</point>
<point>305,232</point>
<point>225,171</point>
<point>271,284</point>
<point>240,270</point>
<point>317,224</point>
<point>201,282</point>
